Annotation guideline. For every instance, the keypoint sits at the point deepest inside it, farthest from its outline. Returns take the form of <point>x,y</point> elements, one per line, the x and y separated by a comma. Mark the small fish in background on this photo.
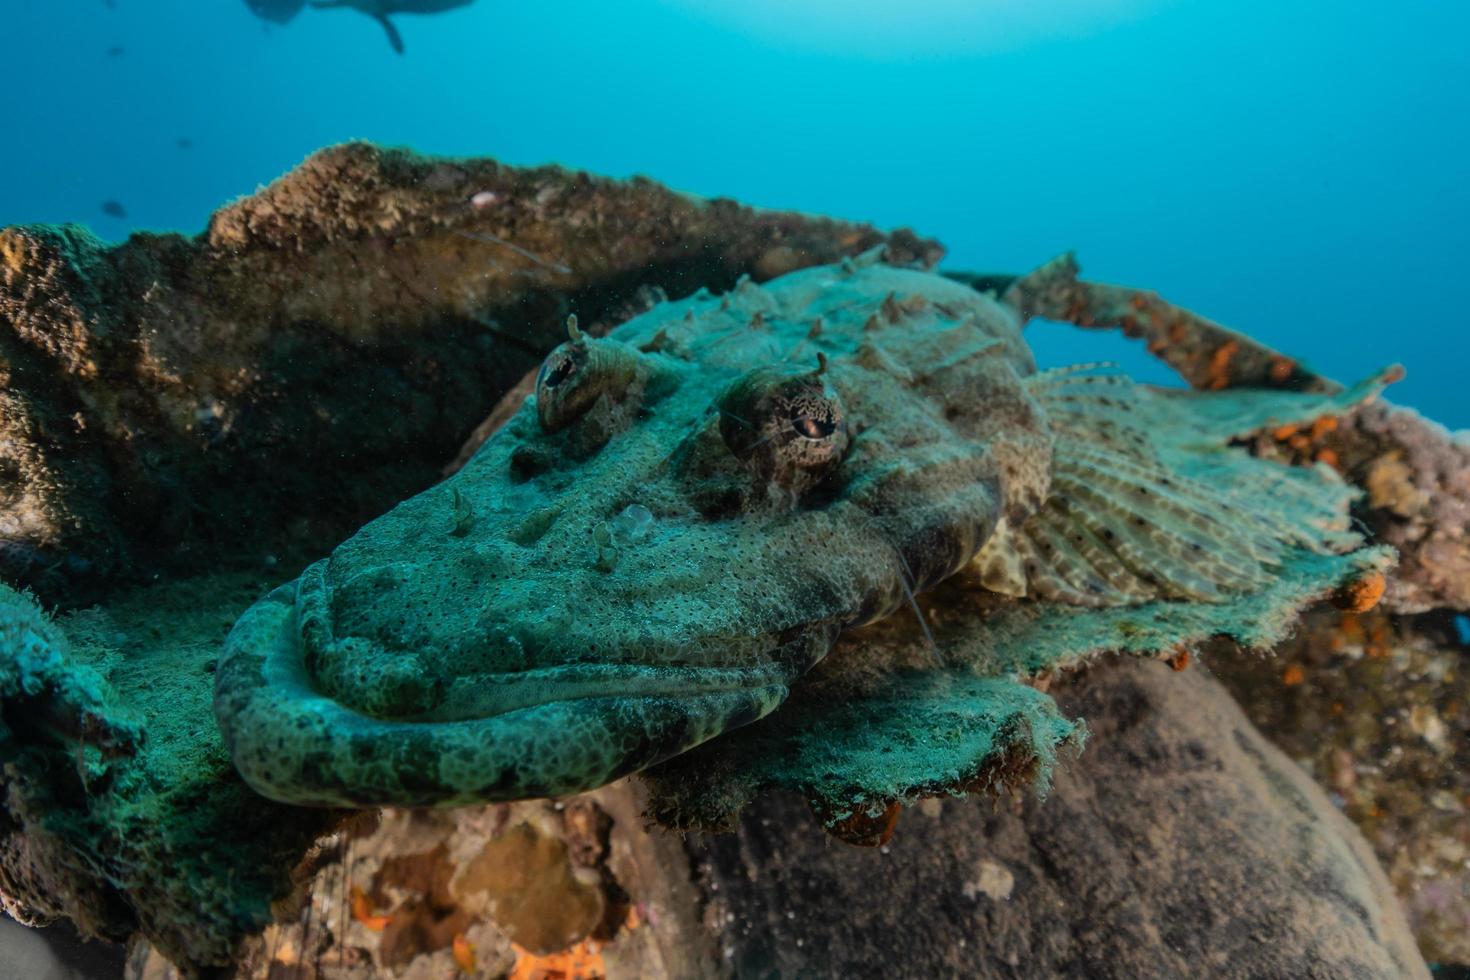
<point>380,10</point>
<point>116,51</point>
<point>185,143</point>
<point>114,209</point>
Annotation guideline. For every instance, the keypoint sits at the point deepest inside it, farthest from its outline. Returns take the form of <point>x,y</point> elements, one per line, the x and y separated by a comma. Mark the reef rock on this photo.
<point>1184,845</point>
<point>1377,708</point>
<point>1417,478</point>
<point>320,351</point>
<point>121,810</point>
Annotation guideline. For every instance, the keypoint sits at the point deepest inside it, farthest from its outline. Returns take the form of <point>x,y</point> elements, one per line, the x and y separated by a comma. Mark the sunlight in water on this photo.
<point>908,28</point>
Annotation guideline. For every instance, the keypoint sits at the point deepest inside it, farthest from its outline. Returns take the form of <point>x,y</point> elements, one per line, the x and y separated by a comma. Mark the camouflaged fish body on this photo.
<point>680,521</point>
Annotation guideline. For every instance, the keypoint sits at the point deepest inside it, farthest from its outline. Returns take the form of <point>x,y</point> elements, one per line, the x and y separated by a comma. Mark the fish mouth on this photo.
<point>484,696</point>
<point>542,732</point>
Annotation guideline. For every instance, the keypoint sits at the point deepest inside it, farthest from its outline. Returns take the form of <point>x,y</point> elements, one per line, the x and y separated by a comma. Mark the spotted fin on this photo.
<point>1141,507</point>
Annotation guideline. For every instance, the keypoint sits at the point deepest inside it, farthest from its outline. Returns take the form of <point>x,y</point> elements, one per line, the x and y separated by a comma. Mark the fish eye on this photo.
<point>556,369</point>
<point>578,373</point>
<point>817,421</point>
<point>790,428</point>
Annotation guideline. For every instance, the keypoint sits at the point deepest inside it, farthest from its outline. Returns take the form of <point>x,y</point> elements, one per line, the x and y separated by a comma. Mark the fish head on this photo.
<point>671,530</point>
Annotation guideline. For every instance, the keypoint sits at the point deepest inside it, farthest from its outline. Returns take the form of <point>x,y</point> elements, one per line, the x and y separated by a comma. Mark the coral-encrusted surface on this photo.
<point>533,890</point>
<point>1377,708</point>
<point>318,353</point>
<point>1416,475</point>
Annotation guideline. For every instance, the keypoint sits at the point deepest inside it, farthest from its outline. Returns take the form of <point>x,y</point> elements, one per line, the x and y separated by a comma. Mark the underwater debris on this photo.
<point>1204,353</point>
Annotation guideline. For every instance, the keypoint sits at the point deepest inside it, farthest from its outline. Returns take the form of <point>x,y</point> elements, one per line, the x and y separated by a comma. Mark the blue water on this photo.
<point>1298,170</point>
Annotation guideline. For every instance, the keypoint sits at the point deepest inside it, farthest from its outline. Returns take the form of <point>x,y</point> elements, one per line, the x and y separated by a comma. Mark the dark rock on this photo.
<point>1377,708</point>
<point>1180,844</point>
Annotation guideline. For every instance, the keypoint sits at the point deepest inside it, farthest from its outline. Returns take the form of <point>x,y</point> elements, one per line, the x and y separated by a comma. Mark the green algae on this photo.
<point>917,734</point>
<point>133,819</point>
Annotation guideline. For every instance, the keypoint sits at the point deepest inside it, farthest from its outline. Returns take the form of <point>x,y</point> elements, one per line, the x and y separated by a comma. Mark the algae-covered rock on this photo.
<point>121,810</point>
<point>317,354</point>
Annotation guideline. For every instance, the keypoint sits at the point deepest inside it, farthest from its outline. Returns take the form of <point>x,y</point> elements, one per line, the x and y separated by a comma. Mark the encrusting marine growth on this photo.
<point>674,531</point>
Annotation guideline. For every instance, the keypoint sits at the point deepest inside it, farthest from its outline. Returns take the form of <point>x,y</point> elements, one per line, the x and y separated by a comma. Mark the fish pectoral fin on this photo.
<point>1134,514</point>
<point>998,564</point>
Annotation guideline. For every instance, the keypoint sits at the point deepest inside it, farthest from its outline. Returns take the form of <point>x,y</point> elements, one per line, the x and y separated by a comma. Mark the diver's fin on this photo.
<point>394,38</point>
<point>1135,514</point>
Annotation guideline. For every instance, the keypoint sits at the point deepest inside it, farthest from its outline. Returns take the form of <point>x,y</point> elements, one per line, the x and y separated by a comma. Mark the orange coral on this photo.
<point>464,953</point>
<point>1362,593</point>
<point>362,911</point>
<point>584,961</point>
<point>1219,372</point>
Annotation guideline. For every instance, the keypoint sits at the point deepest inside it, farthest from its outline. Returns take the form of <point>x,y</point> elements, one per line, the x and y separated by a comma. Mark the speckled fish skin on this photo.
<point>506,635</point>
<point>419,666</point>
